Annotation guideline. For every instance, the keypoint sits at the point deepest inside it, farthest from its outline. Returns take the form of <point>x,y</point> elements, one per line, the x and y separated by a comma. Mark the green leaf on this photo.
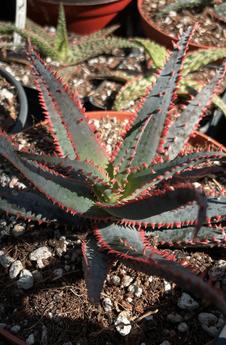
<point>206,237</point>
<point>143,140</point>
<point>68,194</point>
<point>132,248</point>
<point>33,206</point>
<point>156,52</point>
<point>188,120</point>
<point>95,265</point>
<point>61,41</point>
<point>70,129</point>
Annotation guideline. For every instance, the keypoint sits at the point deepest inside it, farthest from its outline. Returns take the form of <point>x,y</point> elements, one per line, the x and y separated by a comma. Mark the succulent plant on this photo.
<point>143,189</point>
<point>135,88</point>
<point>218,7</point>
<point>179,5</point>
<point>59,49</point>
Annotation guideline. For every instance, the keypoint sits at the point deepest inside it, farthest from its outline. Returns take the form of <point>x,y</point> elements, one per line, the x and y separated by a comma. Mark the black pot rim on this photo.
<point>22,99</point>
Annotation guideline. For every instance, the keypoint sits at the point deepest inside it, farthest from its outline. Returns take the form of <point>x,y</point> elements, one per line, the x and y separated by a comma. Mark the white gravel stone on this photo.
<point>15,269</point>
<point>115,280</point>
<point>15,328</point>
<point>210,323</point>
<point>187,302</point>
<point>165,342</point>
<point>167,286</point>
<point>107,305</point>
<point>40,254</point>
<point>138,292</point>
<point>18,230</point>
<point>174,318</point>
<point>6,261</point>
<point>30,339</point>
<point>126,281</point>
<point>25,280</point>
<point>122,324</point>
<point>182,327</point>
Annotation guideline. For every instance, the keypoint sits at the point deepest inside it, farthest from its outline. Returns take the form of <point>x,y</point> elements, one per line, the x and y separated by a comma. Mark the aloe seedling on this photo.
<point>59,49</point>
<point>144,187</point>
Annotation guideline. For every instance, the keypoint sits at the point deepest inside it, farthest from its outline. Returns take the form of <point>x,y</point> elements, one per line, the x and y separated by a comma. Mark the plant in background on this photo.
<point>143,189</point>
<point>135,88</point>
<point>59,49</point>
<point>179,5</point>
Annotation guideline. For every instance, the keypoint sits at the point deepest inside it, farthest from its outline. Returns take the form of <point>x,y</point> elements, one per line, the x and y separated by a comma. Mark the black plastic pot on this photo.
<point>22,99</point>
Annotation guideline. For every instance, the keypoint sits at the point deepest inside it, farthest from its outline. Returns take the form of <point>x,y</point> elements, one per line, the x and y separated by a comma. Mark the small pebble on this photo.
<point>26,280</point>
<point>182,327</point>
<point>6,261</point>
<point>167,286</point>
<point>18,230</point>
<point>115,280</point>
<point>210,323</point>
<point>187,302</point>
<point>40,254</point>
<point>15,328</point>
<point>174,317</point>
<point>15,269</point>
<point>126,281</point>
<point>165,342</point>
<point>58,273</point>
<point>122,324</point>
<point>30,339</point>
<point>107,305</point>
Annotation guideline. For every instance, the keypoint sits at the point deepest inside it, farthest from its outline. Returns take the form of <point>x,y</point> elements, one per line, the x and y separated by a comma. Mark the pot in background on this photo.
<point>83,17</point>
<point>153,31</point>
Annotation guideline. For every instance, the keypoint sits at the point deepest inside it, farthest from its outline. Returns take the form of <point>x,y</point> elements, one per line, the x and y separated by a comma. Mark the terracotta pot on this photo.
<point>152,31</point>
<point>81,19</point>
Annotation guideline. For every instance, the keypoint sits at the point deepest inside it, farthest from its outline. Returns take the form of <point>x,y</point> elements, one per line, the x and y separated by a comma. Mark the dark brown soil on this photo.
<point>212,32</point>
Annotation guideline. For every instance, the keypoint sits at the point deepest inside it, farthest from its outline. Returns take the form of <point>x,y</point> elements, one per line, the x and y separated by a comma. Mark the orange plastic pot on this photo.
<point>153,32</point>
<point>81,19</point>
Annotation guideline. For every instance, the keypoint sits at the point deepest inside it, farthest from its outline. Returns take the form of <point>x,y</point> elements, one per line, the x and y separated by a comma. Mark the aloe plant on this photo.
<point>143,189</point>
<point>136,88</point>
<point>59,49</point>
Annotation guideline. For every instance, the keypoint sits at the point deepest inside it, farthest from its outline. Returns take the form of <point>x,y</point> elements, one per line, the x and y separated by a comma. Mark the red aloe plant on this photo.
<point>143,190</point>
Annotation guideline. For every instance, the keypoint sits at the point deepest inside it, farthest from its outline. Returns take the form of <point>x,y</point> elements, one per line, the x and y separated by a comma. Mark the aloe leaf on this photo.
<point>200,58</point>
<point>87,169</point>
<point>180,237</point>
<point>143,140</point>
<point>36,39</point>
<point>75,198</point>
<point>156,52</point>
<point>33,206</point>
<point>71,132</point>
<point>93,48</point>
<point>61,40</point>
<point>188,120</point>
<point>145,210</point>
<point>149,177</point>
<point>132,248</point>
<point>187,215</point>
<point>95,265</point>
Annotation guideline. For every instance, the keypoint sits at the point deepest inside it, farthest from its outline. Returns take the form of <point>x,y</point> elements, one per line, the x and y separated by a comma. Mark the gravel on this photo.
<point>122,324</point>
<point>187,302</point>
